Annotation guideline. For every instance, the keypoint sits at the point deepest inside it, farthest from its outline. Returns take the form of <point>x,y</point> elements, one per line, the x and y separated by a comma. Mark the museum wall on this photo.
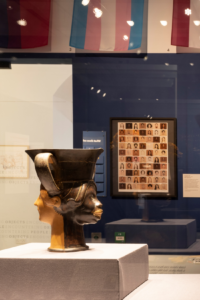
<point>159,86</point>
<point>36,111</point>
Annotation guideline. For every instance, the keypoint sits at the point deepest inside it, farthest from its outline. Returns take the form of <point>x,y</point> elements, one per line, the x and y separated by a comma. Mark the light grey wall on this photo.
<point>35,110</point>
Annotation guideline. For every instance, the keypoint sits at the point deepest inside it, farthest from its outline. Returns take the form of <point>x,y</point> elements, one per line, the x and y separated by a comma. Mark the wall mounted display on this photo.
<point>98,26</point>
<point>95,140</point>
<point>184,16</point>
<point>68,194</point>
<point>143,157</point>
<point>14,162</point>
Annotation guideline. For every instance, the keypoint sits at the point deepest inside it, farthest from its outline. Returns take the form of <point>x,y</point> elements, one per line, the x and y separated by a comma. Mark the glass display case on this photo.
<point>118,75</point>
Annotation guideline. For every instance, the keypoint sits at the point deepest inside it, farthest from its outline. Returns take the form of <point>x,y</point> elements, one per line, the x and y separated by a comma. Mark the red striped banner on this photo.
<point>180,23</point>
<point>93,29</point>
<point>123,14</point>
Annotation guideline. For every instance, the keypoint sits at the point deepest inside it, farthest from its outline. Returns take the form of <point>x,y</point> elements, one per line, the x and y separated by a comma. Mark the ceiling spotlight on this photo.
<point>163,23</point>
<point>146,57</point>
<point>166,64</point>
<point>188,11</point>
<point>104,94</point>
<point>157,99</point>
<point>151,118</point>
<point>22,22</point>
<point>97,12</point>
<point>98,91</point>
<point>139,99</point>
<point>197,23</point>
<point>191,64</point>
<point>130,23</point>
<point>85,2</point>
<point>120,98</point>
<point>125,37</point>
<point>92,88</point>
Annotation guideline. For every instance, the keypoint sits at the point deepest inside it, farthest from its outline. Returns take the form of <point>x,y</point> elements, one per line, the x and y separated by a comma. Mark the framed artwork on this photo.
<point>143,157</point>
<point>14,162</point>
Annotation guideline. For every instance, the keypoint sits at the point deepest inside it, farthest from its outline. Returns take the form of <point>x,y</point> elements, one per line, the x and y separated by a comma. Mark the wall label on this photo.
<point>120,237</point>
<point>191,185</point>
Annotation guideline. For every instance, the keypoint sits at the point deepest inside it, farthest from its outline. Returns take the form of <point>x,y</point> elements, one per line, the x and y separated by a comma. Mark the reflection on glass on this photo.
<point>125,37</point>
<point>85,2</point>
<point>22,22</point>
<point>197,23</point>
<point>97,12</point>
<point>188,11</point>
<point>130,23</point>
<point>163,23</point>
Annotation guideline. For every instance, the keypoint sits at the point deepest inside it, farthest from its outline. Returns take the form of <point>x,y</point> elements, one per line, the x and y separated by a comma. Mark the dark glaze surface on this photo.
<point>80,207</point>
<point>74,164</point>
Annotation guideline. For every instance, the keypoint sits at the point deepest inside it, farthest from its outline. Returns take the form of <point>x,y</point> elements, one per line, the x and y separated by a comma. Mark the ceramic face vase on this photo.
<point>68,194</point>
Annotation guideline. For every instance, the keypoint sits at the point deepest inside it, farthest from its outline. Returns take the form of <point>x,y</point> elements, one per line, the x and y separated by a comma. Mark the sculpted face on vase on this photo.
<point>46,207</point>
<point>89,212</point>
<point>67,209</point>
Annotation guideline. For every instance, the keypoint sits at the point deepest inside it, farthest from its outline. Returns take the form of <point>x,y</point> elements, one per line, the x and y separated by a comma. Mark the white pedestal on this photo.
<point>168,287</point>
<point>106,271</point>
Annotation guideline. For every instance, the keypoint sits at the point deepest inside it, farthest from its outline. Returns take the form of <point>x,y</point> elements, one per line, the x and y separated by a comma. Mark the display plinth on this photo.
<point>168,287</point>
<point>169,234</point>
<point>105,272</point>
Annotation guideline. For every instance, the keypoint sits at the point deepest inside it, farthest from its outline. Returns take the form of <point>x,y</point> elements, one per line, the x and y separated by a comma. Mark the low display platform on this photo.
<point>194,249</point>
<point>168,287</point>
<point>105,272</point>
<point>169,234</point>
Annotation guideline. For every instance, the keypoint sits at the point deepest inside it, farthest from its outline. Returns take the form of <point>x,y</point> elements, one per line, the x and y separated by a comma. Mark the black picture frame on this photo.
<point>171,161</point>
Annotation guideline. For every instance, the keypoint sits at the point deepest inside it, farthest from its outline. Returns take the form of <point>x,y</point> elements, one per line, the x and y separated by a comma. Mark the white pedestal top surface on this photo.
<point>96,251</point>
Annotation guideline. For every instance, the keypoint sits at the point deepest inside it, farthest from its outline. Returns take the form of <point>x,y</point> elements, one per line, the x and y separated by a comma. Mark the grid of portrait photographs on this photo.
<point>143,157</point>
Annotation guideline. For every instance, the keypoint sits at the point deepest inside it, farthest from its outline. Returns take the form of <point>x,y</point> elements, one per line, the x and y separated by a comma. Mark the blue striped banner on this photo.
<point>79,24</point>
<point>137,9</point>
<point>80,19</point>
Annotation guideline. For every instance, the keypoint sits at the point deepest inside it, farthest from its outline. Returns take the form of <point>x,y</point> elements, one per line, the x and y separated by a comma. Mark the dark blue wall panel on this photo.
<point>160,87</point>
